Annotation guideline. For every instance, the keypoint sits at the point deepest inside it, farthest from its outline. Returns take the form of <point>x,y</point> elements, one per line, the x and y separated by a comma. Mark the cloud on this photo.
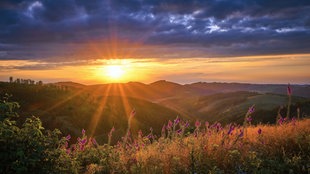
<point>176,28</point>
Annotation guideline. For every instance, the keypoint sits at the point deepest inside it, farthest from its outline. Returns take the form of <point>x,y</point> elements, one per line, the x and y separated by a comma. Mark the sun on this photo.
<point>115,72</point>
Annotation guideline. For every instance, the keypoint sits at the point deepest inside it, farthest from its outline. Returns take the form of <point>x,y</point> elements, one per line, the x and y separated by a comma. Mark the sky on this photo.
<point>250,41</point>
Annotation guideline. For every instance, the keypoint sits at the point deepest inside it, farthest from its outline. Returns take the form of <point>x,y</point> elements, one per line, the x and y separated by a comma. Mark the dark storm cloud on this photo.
<point>191,28</point>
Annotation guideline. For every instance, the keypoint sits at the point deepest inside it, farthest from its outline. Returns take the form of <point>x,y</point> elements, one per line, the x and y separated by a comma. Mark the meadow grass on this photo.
<point>207,149</point>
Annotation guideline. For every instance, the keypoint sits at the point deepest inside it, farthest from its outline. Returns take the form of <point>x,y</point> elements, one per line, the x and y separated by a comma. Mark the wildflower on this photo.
<point>259,131</point>
<point>241,134</point>
<point>179,131</point>
<point>68,137</point>
<point>136,145</point>
<point>280,121</point>
<point>82,147</point>
<point>83,132</point>
<point>149,136</point>
<point>218,127</point>
<point>163,130</point>
<point>176,121</point>
<point>289,93</point>
<point>231,128</point>
<point>249,119</point>
<point>133,113</point>
<point>83,141</point>
<point>187,124</point>
<point>197,124</point>
<point>169,125</point>
<point>207,124</point>
<point>93,140</point>
<point>289,90</point>
<point>251,109</point>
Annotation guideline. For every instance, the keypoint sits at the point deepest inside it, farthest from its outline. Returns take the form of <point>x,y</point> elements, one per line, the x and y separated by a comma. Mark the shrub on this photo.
<point>30,148</point>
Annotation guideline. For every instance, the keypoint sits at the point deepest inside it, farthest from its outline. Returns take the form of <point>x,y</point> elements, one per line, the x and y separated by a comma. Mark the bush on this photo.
<point>29,148</point>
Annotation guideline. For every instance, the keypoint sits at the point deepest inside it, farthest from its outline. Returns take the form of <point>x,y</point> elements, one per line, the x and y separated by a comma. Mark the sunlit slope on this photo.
<point>232,106</point>
<point>73,110</point>
<point>101,114</point>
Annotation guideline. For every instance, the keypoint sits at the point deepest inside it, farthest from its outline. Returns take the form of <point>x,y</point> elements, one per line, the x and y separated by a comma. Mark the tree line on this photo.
<point>25,81</point>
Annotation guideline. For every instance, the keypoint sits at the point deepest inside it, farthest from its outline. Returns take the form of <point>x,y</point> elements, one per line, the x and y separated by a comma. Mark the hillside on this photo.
<point>71,106</point>
<point>205,88</point>
<point>232,106</point>
<point>73,110</point>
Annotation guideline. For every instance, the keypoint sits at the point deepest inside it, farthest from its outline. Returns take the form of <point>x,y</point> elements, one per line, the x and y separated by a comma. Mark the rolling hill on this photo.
<point>232,106</point>
<point>97,108</point>
<point>72,110</point>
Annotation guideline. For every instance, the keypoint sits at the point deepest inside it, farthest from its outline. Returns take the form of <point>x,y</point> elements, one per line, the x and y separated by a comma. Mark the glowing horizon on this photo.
<point>255,69</point>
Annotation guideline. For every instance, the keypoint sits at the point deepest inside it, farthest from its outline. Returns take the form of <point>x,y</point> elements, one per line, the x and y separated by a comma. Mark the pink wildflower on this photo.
<point>231,128</point>
<point>176,121</point>
<point>169,125</point>
<point>197,124</point>
<point>259,131</point>
<point>83,141</point>
<point>289,90</point>
<point>241,134</point>
<point>94,141</point>
<point>179,131</point>
<point>249,119</point>
<point>251,109</point>
<point>68,137</point>
<point>133,113</point>
<point>83,132</point>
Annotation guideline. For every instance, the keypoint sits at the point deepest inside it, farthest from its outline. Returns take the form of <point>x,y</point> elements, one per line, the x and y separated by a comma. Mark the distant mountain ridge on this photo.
<point>163,88</point>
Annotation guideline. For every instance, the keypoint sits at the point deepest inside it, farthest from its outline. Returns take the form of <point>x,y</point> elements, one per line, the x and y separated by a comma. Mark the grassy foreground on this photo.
<point>211,149</point>
<point>181,148</point>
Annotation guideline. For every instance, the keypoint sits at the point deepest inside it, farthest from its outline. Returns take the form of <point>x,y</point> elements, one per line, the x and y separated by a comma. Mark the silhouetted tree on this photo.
<point>40,83</point>
<point>11,79</point>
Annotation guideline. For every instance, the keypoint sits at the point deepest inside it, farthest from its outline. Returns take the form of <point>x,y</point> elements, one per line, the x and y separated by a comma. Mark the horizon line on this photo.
<point>168,81</point>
